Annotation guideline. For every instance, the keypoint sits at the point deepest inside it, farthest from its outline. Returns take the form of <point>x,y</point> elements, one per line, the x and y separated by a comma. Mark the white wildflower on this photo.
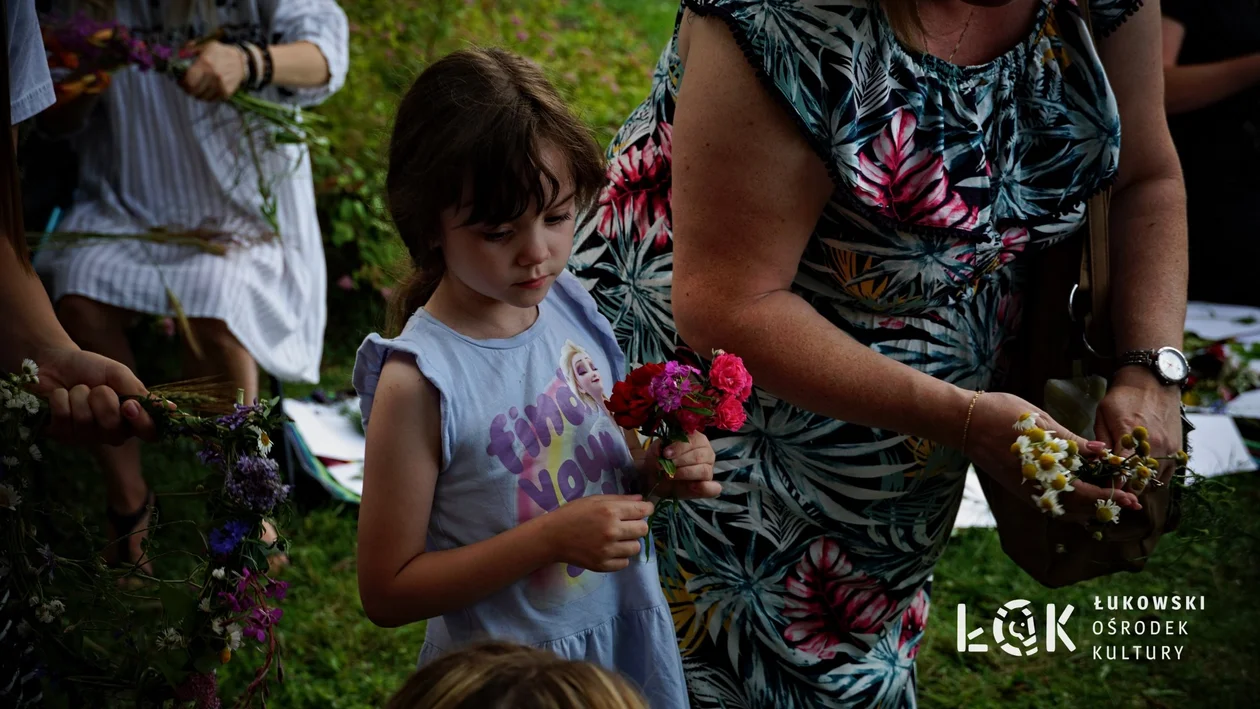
<point>10,462</point>
<point>45,614</point>
<point>169,639</point>
<point>1107,511</point>
<point>264,440</point>
<point>233,636</point>
<point>33,601</point>
<point>217,625</point>
<point>35,454</point>
<point>219,574</point>
<point>24,432</point>
<point>204,606</point>
<point>1060,482</point>
<point>57,607</point>
<point>30,369</point>
<point>9,498</point>
<point>1048,501</point>
<point>1026,423</point>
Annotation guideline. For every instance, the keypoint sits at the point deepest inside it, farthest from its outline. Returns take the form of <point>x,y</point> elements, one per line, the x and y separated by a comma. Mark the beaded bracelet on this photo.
<point>250,63</point>
<point>268,68</point>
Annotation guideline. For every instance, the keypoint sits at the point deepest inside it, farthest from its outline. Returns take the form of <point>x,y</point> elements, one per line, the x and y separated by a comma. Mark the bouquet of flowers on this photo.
<point>154,639</point>
<point>1051,464</point>
<point>670,401</point>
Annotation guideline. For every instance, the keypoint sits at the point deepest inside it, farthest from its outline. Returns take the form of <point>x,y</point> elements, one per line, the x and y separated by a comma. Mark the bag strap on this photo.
<point>1095,276</point>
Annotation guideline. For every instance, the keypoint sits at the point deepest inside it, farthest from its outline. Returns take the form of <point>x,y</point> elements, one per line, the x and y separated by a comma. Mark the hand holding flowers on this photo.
<point>989,446</point>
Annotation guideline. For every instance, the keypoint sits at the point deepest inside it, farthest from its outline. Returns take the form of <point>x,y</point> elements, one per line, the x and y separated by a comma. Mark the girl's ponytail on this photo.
<point>410,296</point>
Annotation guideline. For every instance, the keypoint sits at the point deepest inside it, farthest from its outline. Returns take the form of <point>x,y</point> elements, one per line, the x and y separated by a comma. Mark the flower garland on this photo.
<point>98,634</point>
<point>1052,464</point>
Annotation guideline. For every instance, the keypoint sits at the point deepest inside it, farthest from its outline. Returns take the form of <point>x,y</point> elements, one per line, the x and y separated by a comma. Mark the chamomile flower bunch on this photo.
<point>1051,465</point>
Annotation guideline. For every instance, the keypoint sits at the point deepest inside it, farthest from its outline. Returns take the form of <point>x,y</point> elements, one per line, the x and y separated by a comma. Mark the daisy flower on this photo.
<point>35,454</point>
<point>1048,501</point>
<point>9,497</point>
<point>264,440</point>
<point>169,639</point>
<point>1026,422</point>
<point>233,632</point>
<point>219,574</point>
<point>1061,482</point>
<point>1107,511</point>
<point>204,606</point>
<point>30,369</point>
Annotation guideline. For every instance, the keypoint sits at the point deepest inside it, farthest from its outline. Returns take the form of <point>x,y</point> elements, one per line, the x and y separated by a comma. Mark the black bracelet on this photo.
<point>251,64</point>
<point>268,68</point>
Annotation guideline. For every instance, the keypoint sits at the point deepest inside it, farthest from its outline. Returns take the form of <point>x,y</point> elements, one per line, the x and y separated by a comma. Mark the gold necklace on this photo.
<point>966,26</point>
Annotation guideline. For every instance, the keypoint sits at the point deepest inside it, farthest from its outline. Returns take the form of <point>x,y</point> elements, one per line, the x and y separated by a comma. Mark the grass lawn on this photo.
<point>334,657</point>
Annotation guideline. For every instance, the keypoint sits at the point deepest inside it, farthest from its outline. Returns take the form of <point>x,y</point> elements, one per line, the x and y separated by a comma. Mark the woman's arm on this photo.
<point>1148,234</point>
<point>1191,87</point>
<point>400,582</point>
<point>748,191</point>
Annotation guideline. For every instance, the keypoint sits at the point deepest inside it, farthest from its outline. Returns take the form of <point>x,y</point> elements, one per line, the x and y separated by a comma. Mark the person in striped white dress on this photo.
<point>156,153</point>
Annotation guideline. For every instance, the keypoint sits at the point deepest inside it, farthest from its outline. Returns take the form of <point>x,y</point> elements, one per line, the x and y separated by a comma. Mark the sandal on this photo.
<point>124,528</point>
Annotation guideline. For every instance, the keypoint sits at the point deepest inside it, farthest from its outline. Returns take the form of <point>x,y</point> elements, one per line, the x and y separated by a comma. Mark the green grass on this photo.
<point>334,657</point>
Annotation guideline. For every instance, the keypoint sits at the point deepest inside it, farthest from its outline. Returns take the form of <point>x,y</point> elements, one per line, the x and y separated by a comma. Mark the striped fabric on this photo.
<point>152,156</point>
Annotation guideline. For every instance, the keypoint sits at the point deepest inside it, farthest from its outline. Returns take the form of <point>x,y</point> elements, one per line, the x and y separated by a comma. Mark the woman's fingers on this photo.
<point>103,403</point>
<point>1085,496</point>
<point>699,490</point>
<point>62,426</point>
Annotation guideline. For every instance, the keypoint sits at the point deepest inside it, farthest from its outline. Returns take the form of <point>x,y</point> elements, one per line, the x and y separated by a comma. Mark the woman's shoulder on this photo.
<point>1107,15</point>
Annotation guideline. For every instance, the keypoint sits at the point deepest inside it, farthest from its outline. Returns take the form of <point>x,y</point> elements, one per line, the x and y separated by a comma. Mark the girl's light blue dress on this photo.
<point>525,431</point>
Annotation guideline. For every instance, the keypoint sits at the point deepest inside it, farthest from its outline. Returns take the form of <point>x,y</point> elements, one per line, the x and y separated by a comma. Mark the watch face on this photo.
<point>1172,365</point>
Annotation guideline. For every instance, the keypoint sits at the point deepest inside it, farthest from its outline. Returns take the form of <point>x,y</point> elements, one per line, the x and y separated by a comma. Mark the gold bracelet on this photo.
<point>967,425</point>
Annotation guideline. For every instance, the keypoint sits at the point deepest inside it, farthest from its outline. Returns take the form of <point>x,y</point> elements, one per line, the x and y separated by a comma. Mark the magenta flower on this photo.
<point>832,604</point>
<point>672,384</point>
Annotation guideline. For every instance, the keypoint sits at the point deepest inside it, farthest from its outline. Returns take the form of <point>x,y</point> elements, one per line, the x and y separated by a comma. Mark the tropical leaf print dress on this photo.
<point>807,583</point>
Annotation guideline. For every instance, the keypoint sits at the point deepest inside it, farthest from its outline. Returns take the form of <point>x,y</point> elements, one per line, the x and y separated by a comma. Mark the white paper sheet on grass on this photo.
<point>1216,449</point>
<point>327,431</point>
<point>1216,322</point>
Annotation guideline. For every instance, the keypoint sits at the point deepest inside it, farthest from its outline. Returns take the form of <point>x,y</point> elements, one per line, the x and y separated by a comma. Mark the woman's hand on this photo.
<point>217,73</point>
<point>82,389</point>
<point>1135,399</point>
<point>988,445</point>
<point>598,533</point>
<point>693,461</point>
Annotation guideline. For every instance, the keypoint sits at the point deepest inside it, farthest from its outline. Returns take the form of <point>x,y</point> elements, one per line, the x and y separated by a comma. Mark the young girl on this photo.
<point>498,492</point>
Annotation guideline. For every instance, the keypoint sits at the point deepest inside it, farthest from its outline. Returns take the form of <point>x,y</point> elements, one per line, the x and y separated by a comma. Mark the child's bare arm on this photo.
<point>399,582</point>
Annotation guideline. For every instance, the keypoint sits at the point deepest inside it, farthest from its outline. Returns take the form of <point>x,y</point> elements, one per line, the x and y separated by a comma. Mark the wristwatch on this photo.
<point>1168,364</point>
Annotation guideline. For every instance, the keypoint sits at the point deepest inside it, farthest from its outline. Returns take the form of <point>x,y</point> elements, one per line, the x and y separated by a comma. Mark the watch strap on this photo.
<point>1139,358</point>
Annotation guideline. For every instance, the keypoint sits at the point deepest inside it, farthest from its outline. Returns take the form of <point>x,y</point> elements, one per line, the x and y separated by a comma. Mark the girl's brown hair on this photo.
<point>478,119</point>
<point>506,676</point>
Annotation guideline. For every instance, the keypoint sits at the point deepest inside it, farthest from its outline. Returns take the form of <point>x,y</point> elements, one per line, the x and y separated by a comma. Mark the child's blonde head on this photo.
<point>506,676</point>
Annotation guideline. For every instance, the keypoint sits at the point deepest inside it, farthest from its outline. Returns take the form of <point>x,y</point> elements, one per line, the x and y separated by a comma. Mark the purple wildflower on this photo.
<point>277,590</point>
<point>669,387</point>
<point>237,418</point>
<point>224,540</point>
<point>202,688</point>
<point>255,484</point>
<point>210,457</point>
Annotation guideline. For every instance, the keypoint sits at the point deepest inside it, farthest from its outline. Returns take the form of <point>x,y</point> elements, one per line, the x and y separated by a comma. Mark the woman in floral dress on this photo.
<point>845,194</point>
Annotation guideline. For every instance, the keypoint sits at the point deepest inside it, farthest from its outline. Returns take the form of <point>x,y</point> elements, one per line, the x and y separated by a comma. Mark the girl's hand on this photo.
<point>598,533</point>
<point>694,463</point>
<point>217,73</point>
<point>989,446</point>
